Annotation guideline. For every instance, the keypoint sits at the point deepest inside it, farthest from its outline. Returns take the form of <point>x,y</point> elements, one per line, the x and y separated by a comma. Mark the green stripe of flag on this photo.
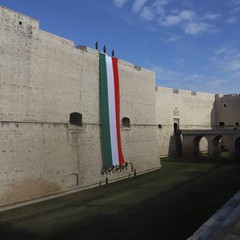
<point>106,144</point>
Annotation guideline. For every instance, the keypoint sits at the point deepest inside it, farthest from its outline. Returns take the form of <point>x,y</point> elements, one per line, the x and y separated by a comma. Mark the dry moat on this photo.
<point>170,204</point>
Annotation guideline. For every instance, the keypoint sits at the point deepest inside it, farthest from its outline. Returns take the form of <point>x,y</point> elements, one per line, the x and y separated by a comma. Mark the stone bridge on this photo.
<point>190,140</point>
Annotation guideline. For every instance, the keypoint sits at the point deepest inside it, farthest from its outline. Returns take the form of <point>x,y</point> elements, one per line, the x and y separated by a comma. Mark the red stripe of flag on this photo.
<point>117,104</point>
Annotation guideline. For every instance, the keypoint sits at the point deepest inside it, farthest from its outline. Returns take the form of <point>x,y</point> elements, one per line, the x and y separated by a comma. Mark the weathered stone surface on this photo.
<point>43,79</point>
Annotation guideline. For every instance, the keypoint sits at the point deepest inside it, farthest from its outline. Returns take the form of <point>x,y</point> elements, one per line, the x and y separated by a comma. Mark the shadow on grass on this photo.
<point>171,215</point>
<point>198,160</point>
<point>7,232</point>
<point>169,204</point>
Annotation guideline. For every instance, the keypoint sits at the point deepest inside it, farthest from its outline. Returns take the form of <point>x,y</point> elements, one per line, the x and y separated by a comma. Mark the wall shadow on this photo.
<point>175,143</point>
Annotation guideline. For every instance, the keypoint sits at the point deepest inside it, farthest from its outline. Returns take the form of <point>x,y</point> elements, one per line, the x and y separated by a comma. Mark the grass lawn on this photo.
<point>167,204</point>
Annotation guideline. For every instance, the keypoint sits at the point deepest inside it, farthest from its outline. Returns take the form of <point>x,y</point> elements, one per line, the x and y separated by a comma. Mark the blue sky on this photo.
<point>190,44</point>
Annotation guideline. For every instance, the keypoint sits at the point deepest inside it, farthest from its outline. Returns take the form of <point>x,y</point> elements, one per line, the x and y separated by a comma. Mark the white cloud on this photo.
<point>192,82</point>
<point>190,22</point>
<point>217,84</point>
<point>166,75</point>
<point>147,14</point>
<point>183,16</point>
<point>158,7</point>
<point>138,5</point>
<point>197,28</point>
<point>119,3</point>
<point>187,15</point>
<point>228,51</point>
<point>235,2</point>
<point>236,10</point>
<point>159,4</point>
<point>232,20</point>
<point>211,16</point>
<point>233,66</point>
<point>222,50</point>
<point>170,21</point>
<point>227,59</point>
<point>173,38</point>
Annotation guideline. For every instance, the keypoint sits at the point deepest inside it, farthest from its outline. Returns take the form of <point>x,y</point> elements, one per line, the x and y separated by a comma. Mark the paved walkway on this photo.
<point>223,225</point>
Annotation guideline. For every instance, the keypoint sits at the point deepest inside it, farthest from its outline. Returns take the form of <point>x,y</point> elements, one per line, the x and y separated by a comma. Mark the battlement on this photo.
<point>182,92</point>
<point>227,96</point>
<point>11,17</point>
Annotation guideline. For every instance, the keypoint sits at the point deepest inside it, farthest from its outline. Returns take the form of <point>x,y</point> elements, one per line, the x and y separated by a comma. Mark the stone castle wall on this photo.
<point>228,111</point>
<point>189,110</point>
<point>43,79</point>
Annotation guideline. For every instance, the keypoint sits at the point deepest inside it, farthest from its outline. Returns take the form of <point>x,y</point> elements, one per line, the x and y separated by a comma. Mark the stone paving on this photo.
<point>223,225</point>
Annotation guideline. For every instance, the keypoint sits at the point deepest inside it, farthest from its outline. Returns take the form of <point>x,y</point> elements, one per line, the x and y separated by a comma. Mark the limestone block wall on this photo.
<point>228,112</point>
<point>189,110</point>
<point>43,79</point>
<point>138,104</point>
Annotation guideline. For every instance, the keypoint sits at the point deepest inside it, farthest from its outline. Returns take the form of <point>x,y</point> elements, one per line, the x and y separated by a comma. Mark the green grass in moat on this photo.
<point>167,204</point>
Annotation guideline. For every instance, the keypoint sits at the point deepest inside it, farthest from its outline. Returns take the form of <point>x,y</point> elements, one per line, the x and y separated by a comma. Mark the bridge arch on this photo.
<point>219,143</point>
<point>237,148</point>
<point>200,146</point>
<point>216,147</point>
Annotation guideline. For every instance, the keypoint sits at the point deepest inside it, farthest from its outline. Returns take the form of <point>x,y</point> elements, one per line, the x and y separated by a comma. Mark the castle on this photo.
<point>51,130</point>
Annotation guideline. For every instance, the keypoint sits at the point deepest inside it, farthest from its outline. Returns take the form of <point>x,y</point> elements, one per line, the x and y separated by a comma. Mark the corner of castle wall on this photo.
<point>19,18</point>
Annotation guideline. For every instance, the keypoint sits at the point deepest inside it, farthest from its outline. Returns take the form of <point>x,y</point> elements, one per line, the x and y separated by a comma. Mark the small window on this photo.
<point>76,119</point>
<point>222,124</point>
<point>224,105</point>
<point>160,126</point>
<point>126,122</point>
<point>237,123</point>
<point>175,90</point>
<point>20,23</point>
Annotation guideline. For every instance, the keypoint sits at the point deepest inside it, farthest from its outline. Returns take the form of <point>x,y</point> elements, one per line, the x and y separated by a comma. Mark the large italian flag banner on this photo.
<point>110,111</point>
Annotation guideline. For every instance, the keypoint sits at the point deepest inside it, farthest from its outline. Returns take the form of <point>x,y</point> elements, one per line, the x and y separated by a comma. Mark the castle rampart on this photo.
<point>183,109</point>
<point>44,81</point>
<point>228,112</point>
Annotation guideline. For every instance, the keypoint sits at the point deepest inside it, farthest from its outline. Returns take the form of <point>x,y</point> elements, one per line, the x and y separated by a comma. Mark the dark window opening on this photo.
<point>76,119</point>
<point>160,126</point>
<point>224,104</point>
<point>175,90</point>
<point>175,126</point>
<point>237,123</point>
<point>126,122</point>
<point>222,124</point>
<point>20,22</point>
<point>137,67</point>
